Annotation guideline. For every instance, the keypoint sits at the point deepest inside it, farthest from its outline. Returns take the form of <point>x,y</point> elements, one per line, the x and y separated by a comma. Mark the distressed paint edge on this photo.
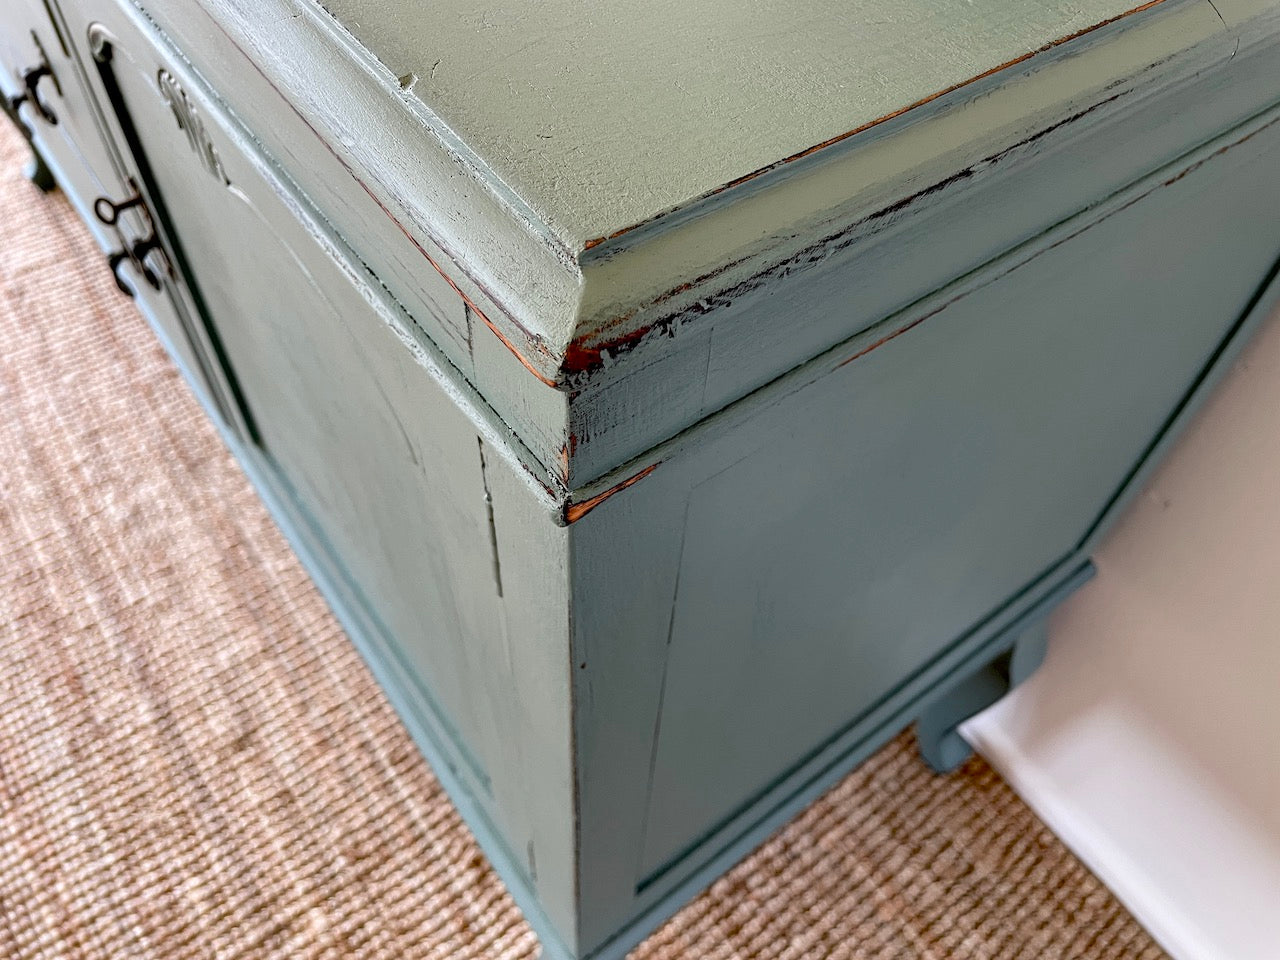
<point>361,56</point>
<point>575,510</point>
<point>584,357</point>
<point>593,349</point>
<point>866,341</point>
<point>458,148</point>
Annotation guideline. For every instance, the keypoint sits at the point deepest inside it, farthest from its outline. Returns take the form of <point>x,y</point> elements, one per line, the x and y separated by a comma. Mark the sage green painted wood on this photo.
<point>610,289</point>
<point>638,615</point>
<point>395,475</point>
<point>378,162</point>
<point>830,535</point>
<point>927,470</point>
<point>873,265</point>
<point>601,118</point>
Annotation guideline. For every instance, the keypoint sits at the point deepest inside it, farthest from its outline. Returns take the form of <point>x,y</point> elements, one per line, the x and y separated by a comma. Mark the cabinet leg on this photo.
<point>937,730</point>
<point>39,172</point>
<point>1028,652</point>
<point>36,169</point>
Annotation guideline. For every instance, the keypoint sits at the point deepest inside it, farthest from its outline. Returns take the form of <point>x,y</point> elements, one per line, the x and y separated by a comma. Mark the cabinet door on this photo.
<point>158,264</point>
<point>376,455</point>
<point>69,119</point>
<point>59,114</point>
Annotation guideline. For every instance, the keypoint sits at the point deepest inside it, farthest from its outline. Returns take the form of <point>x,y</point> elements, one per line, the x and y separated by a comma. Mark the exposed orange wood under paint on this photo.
<point>576,511</point>
<point>510,346</point>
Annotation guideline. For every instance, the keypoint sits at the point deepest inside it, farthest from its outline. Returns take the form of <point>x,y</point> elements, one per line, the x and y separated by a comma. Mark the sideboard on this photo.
<point>675,401</point>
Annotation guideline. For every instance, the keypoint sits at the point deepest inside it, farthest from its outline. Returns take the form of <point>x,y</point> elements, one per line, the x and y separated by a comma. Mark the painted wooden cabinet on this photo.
<point>672,405</point>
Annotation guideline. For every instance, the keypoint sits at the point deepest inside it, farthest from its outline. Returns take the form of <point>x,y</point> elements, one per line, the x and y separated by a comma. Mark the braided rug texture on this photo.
<point>194,761</point>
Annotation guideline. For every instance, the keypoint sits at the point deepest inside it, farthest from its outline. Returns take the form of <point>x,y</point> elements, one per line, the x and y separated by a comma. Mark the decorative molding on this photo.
<point>189,122</point>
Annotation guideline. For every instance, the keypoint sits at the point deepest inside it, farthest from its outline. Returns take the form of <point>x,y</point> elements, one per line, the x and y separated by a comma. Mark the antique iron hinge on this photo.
<point>143,253</point>
<point>30,80</point>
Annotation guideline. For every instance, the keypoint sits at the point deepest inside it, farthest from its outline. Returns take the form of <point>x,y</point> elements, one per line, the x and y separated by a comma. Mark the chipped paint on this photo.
<point>1139,197</point>
<point>573,512</point>
<point>581,356</point>
<point>584,357</point>
<point>512,347</point>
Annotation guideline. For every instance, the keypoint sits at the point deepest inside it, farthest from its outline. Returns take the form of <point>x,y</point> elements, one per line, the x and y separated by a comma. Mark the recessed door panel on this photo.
<point>375,452</point>
<point>871,519</point>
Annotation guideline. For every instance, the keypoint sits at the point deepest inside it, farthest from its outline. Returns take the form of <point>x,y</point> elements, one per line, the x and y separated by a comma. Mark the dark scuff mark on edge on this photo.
<point>584,358</point>
<point>1057,243</point>
<point>493,526</point>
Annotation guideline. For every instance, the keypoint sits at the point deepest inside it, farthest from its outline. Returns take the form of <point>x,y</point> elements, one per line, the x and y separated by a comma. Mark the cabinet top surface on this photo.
<point>601,116</point>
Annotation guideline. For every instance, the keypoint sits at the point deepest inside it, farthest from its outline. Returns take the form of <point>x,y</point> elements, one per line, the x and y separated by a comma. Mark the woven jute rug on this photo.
<point>194,761</point>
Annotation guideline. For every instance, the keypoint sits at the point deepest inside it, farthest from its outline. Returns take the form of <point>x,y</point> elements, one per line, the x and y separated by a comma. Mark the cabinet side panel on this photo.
<point>910,493</point>
<point>626,555</point>
<point>784,569</point>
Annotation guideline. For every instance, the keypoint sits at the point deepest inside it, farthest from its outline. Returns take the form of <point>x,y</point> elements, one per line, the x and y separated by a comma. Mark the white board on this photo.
<point>1150,740</point>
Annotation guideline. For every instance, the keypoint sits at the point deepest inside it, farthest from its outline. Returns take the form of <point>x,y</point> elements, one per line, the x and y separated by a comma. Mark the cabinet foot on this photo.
<point>35,169</point>
<point>39,172</point>
<point>937,730</point>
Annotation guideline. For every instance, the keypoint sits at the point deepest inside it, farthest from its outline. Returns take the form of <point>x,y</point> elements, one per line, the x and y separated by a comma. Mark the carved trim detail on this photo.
<point>189,122</point>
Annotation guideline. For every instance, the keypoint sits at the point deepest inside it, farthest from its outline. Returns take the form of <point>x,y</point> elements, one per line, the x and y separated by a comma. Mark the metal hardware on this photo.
<point>108,211</point>
<point>31,92</point>
<point>114,261</point>
<point>37,171</point>
<point>140,252</point>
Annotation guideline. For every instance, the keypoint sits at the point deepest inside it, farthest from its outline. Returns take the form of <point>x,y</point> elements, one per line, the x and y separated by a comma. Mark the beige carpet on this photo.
<point>194,761</point>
